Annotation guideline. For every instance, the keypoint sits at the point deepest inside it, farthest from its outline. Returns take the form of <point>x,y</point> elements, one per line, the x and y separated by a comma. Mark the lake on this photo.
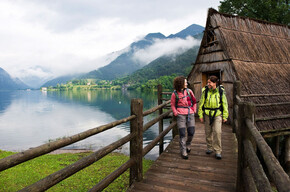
<point>32,118</point>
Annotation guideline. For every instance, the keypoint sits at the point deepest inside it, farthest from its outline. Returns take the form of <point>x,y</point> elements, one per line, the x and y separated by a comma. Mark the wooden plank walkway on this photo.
<point>201,172</point>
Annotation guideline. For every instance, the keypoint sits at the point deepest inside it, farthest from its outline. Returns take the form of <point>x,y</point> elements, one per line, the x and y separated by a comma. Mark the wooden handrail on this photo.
<point>266,95</point>
<point>262,182</point>
<point>272,104</point>
<point>153,121</point>
<point>110,178</point>
<point>156,140</point>
<point>273,117</point>
<point>18,158</point>
<point>276,172</point>
<point>66,172</point>
<point>152,110</point>
<point>136,149</point>
<point>166,93</point>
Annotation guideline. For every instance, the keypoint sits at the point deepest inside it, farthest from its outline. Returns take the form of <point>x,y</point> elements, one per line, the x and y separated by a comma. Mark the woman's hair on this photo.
<point>178,83</point>
<point>215,79</point>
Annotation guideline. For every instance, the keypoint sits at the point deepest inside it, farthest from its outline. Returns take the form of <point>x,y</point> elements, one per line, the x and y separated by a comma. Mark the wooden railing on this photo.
<point>251,175</point>
<point>136,148</point>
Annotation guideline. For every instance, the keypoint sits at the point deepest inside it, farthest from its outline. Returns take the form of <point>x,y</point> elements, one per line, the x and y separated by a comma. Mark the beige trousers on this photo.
<point>213,134</point>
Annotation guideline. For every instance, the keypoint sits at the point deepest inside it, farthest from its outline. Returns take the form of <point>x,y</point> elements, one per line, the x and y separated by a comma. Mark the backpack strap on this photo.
<point>176,98</point>
<point>205,96</point>
<point>191,100</point>
<point>221,90</point>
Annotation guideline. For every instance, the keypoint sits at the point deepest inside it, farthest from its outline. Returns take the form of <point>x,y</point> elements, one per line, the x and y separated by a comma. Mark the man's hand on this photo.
<point>224,120</point>
<point>201,120</point>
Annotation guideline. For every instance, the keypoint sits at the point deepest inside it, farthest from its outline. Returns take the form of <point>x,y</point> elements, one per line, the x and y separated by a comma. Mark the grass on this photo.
<point>32,171</point>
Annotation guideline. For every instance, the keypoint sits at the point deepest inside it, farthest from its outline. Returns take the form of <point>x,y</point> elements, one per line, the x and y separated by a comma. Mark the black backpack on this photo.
<point>221,91</point>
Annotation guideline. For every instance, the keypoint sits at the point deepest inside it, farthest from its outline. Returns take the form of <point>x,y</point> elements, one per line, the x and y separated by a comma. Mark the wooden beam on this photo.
<point>272,104</point>
<point>136,144</point>
<point>21,157</point>
<point>275,134</point>
<point>160,124</point>
<point>110,178</point>
<point>153,121</point>
<point>273,118</point>
<point>152,110</point>
<point>156,140</point>
<point>276,172</point>
<point>66,172</point>
<point>261,180</point>
<point>249,183</point>
<point>266,95</point>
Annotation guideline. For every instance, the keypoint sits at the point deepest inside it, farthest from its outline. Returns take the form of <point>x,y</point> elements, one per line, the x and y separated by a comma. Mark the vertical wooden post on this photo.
<point>161,142</point>
<point>236,92</point>
<point>136,144</point>
<point>241,125</point>
<point>246,110</point>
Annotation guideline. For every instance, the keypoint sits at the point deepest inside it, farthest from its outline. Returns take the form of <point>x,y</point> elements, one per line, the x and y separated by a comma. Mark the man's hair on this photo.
<point>178,83</point>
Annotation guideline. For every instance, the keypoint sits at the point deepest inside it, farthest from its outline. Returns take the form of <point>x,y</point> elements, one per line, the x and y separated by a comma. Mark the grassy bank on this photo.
<point>29,172</point>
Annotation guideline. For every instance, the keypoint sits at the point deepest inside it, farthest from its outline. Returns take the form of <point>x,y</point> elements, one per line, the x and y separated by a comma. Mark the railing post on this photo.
<point>236,92</point>
<point>239,133</point>
<point>246,110</point>
<point>136,144</point>
<point>161,142</point>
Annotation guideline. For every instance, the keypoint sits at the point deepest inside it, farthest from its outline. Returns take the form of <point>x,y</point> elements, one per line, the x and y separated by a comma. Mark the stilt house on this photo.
<point>254,52</point>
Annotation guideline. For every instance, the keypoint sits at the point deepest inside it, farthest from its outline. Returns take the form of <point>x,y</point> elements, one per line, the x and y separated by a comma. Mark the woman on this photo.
<point>213,110</point>
<point>183,104</point>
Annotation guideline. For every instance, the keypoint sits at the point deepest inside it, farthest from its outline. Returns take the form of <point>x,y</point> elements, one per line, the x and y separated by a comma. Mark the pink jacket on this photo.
<point>185,102</point>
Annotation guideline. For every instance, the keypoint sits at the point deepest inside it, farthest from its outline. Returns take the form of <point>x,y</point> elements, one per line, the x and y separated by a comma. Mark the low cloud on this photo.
<point>164,47</point>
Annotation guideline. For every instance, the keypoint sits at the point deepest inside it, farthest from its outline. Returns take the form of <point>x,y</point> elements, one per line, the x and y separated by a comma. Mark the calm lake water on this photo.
<point>32,118</point>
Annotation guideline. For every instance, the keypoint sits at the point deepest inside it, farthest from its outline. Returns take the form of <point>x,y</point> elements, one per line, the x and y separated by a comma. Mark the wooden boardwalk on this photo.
<point>201,172</point>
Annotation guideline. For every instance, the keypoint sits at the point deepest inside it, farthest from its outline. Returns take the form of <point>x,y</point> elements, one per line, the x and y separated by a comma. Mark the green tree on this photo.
<point>277,11</point>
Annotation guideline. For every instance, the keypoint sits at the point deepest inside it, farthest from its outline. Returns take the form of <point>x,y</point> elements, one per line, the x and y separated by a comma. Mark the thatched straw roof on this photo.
<point>259,55</point>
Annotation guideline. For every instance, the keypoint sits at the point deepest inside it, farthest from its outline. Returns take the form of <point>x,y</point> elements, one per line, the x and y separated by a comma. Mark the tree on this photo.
<point>277,11</point>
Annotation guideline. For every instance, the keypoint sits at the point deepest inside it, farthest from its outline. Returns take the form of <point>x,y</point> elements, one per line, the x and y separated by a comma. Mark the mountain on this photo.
<point>126,63</point>
<point>9,83</point>
<point>60,80</point>
<point>189,31</point>
<point>166,65</point>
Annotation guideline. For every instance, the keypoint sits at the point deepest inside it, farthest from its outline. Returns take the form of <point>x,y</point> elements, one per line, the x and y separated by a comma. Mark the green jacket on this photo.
<point>213,101</point>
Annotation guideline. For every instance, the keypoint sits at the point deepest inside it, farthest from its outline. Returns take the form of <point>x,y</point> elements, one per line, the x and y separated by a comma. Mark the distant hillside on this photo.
<point>166,65</point>
<point>8,83</point>
<point>60,80</point>
<point>125,64</point>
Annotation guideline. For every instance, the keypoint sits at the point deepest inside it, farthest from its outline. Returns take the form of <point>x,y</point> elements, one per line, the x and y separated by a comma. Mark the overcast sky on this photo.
<point>53,37</point>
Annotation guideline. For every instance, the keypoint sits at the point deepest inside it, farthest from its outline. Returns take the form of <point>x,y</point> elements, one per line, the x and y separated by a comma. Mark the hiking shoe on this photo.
<point>184,156</point>
<point>208,151</point>
<point>218,156</point>
<point>188,150</point>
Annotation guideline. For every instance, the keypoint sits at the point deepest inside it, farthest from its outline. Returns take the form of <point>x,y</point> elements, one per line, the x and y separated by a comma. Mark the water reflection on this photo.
<point>29,119</point>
